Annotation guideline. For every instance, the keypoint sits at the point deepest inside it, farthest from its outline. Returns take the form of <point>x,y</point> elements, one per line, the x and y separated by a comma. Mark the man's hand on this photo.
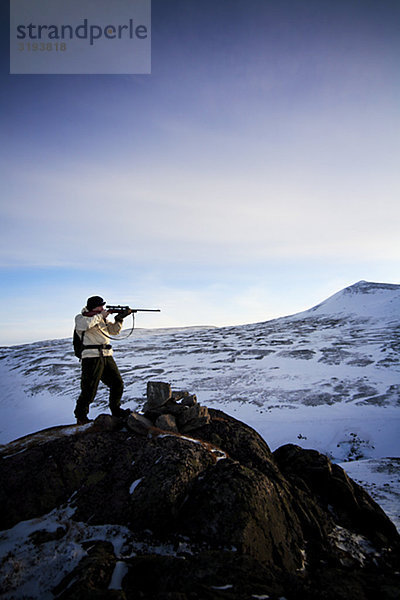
<point>104,313</point>
<point>124,313</point>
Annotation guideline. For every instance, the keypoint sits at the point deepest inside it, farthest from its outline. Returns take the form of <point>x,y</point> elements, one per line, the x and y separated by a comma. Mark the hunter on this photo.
<point>98,364</point>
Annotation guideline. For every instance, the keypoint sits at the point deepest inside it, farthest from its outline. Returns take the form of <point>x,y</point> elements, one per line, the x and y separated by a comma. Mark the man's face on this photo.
<point>98,309</point>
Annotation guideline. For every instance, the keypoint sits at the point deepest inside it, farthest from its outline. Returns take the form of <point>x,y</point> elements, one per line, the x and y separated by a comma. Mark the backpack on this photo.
<point>78,344</point>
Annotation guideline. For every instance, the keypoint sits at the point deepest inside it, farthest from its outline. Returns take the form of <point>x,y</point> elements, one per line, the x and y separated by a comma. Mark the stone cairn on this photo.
<point>178,412</point>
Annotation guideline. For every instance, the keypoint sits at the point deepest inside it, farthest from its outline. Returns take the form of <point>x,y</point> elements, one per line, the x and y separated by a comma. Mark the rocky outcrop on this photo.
<point>208,516</point>
<point>176,411</point>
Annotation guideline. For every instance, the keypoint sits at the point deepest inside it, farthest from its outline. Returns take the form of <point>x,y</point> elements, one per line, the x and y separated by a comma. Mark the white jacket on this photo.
<point>96,330</point>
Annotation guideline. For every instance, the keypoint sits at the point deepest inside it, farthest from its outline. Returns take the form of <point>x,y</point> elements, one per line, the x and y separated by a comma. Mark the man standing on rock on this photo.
<point>98,364</point>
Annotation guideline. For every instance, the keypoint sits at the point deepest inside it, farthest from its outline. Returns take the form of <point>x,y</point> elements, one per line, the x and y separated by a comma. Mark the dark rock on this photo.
<point>172,407</point>
<point>169,408</point>
<point>352,506</point>
<point>209,575</point>
<point>247,511</point>
<point>261,523</point>
<point>179,395</point>
<point>158,393</point>
<point>242,443</point>
<point>107,423</point>
<point>191,413</point>
<point>152,413</point>
<point>189,400</point>
<point>157,502</point>
<point>91,577</point>
<point>138,423</point>
<point>166,422</point>
<point>196,423</point>
<point>42,535</point>
<point>176,411</point>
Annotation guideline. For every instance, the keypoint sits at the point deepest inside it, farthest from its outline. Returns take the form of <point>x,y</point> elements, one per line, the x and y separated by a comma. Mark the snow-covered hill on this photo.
<point>327,378</point>
<point>363,299</point>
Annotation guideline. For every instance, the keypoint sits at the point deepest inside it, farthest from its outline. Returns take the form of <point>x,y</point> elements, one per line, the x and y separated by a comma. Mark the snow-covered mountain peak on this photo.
<point>364,299</point>
<point>368,287</point>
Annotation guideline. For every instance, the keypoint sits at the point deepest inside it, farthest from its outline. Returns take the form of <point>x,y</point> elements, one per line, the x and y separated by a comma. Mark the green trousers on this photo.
<point>95,370</point>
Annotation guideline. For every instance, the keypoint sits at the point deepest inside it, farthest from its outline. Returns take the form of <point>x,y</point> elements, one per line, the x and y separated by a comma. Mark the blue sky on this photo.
<point>252,174</point>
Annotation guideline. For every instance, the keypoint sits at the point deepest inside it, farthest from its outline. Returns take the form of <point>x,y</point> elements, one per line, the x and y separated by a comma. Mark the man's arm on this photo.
<point>83,323</point>
<point>114,328</point>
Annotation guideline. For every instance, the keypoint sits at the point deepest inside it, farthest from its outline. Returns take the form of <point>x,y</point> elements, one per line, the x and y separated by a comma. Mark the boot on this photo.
<point>121,413</point>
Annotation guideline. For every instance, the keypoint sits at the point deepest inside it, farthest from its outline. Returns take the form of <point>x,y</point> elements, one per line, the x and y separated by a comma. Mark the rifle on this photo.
<point>119,309</point>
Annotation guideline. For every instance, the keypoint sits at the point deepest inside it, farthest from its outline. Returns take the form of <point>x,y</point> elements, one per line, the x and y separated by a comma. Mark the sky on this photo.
<point>252,174</point>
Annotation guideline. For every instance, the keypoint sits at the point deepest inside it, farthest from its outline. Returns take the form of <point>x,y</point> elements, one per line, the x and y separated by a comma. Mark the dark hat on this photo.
<point>94,301</point>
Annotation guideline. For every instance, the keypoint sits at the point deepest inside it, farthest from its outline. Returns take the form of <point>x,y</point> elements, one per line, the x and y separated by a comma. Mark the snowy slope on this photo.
<point>327,378</point>
<point>342,355</point>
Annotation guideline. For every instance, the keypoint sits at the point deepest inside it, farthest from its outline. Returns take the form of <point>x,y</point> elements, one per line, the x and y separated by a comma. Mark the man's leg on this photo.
<point>92,370</point>
<point>112,378</point>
